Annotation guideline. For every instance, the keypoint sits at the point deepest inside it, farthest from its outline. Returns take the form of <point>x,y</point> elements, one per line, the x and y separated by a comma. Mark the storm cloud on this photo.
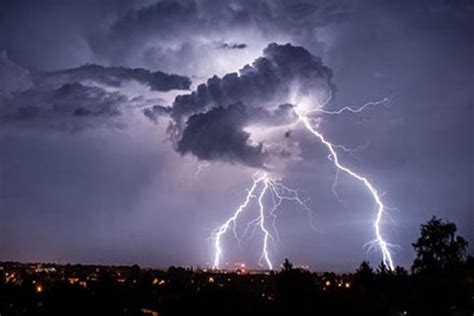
<point>213,34</point>
<point>115,76</point>
<point>231,45</point>
<point>267,82</point>
<point>76,98</point>
<point>218,135</point>
<point>157,111</point>
<point>210,121</point>
<point>71,107</point>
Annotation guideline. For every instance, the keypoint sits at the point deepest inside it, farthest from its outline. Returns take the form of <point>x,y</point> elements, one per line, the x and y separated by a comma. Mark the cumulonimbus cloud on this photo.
<point>210,121</point>
<point>76,98</point>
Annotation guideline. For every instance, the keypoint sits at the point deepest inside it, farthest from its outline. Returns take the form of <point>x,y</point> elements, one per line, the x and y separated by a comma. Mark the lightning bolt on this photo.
<point>266,233</point>
<point>359,109</point>
<point>303,117</point>
<point>263,185</point>
<point>233,221</point>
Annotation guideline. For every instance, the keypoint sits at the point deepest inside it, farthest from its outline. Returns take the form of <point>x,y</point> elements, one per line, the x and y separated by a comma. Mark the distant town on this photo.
<point>440,282</point>
<point>39,280</point>
<point>77,289</point>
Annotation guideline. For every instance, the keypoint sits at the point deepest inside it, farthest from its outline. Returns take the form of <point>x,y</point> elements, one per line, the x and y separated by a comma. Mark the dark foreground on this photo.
<point>441,282</point>
<point>46,289</point>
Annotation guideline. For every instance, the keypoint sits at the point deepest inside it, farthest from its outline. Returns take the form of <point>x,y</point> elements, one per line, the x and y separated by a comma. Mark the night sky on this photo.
<point>108,109</point>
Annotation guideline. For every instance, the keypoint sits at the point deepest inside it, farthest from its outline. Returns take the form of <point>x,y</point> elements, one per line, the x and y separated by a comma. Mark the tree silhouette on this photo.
<point>400,271</point>
<point>287,265</point>
<point>382,269</point>
<point>365,272</point>
<point>438,247</point>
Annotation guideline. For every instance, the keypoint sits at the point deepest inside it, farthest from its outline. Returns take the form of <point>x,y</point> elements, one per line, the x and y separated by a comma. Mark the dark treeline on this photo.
<point>440,282</point>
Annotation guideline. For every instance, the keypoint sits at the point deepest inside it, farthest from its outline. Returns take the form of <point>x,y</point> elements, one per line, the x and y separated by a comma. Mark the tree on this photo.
<point>364,272</point>
<point>401,271</point>
<point>382,269</point>
<point>295,290</point>
<point>287,265</point>
<point>438,247</point>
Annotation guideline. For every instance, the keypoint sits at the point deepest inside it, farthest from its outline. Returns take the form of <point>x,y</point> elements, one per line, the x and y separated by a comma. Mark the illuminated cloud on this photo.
<point>209,123</point>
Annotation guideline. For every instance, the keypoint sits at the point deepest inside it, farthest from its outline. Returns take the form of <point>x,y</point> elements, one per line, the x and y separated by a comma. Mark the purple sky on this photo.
<point>98,163</point>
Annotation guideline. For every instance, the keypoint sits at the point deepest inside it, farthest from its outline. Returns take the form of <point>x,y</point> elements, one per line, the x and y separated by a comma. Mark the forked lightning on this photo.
<point>264,184</point>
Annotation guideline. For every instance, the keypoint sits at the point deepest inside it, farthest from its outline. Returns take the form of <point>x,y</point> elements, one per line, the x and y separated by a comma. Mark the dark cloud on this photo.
<point>231,45</point>
<point>71,107</point>
<point>218,135</point>
<point>156,35</point>
<point>76,98</point>
<point>129,32</point>
<point>115,76</point>
<point>260,89</point>
<point>156,111</point>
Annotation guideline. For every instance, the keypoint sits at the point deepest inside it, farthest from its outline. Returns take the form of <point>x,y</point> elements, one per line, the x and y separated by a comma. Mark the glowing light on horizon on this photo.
<point>266,185</point>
